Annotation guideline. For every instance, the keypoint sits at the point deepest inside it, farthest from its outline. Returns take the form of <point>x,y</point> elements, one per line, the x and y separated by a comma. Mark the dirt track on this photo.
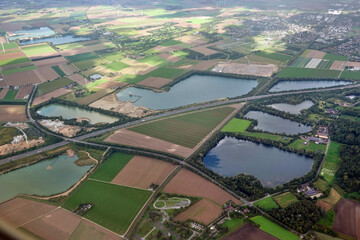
<point>141,172</point>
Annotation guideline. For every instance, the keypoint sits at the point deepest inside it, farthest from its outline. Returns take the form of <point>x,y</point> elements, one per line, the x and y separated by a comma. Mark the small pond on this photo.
<point>293,109</point>
<point>33,33</point>
<point>306,84</point>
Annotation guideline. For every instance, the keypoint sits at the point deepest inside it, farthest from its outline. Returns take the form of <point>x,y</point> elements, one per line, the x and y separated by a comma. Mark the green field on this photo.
<point>154,60</point>
<point>274,56</point>
<point>186,130</point>
<point>58,70</point>
<point>274,229</point>
<point>116,66</point>
<point>70,46</point>
<point>233,224</point>
<point>11,94</point>
<point>111,166</point>
<point>236,125</point>
<point>290,72</point>
<point>114,56</point>
<point>170,43</point>
<point>285,199</point>
<point>355,75</point>
<point>9,45</point>
<point>266,204</point>
<point>12,61</point>
<point>322,185</point>
<point>310,146</point>
<point>16,70</point>
<point>125,31</point>
<point>328,219</point>
<point>331,162</point>
<point>37,50</point>
<point>81,57</point>
<point>86,64</point>
<point>335,57</point>
<point>7,134</point>
<point>114,206</point>
<point>51,86</point>
<point>269,136</point>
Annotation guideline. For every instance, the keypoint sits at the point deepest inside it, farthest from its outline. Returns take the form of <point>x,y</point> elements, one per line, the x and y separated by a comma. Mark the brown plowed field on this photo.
<point>191,39</point>
<point>338,65</point>
<point>204,50</point>
<point>18,211</point>
<point>347,218</point>
<point>50,62</point>
<point>74,51</point>
<point>55,225</point>
<point>141,172</point>
<point>353,64</point>
<point>88,230</point>
<point>78,79</point>
<point>249,232</point>
<point>156,82</point>
<point>22,78</point>
<point>315,54</point>
<point>324,205</point>
<point>170,57</point>
<point>68,69</point>
<point>3,92</point>
<point>12,113</point>
<point>23,91</point>
<point>190,184</point>
<point>168,48</point>
<point>111,84</point>
<point>96,47</point>
<point>12,55</point>
<point>126,137</point>
<point>204,211</point>
<point>46,97</point>
<point>204,65</point>
<point>47,73</point>
<point>137,68</point>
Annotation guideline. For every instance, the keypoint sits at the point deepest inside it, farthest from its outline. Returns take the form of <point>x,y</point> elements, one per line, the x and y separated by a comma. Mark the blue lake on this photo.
<point>34,33</point>
<point>55,40</point>
<point>195,89</point>
<point>271,165</point>
<point>306,84</point>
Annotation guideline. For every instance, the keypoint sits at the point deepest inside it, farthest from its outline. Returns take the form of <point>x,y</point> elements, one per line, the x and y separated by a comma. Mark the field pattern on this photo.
<point>274,229</point>
<point>236,125</point>
<point>266,204</point>
<point>285,199</point>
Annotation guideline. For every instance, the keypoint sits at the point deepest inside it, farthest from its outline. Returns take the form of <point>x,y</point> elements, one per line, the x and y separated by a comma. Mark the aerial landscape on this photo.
<point>169,119</point>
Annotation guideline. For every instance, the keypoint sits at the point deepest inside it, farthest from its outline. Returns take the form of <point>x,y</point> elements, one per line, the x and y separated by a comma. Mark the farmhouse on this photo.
<point>322,132</point>
<point>309,191</point>
<point>95,77</point>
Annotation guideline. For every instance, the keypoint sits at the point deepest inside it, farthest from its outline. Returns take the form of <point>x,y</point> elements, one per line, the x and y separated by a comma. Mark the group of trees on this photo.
<point>345,131</point>
<point>300,216</point>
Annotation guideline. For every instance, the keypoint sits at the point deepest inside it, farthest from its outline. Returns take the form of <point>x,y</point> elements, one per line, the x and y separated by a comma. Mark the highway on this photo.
<point>151,118</point>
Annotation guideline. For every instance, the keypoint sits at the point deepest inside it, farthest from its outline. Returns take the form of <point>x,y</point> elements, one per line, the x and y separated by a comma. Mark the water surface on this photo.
<point>293,109</point>
<point>275,124</point>
<point>195,89</point>
<point>69,112</point>
<point>44,178</point>
<point>306,84</point>
<point>55,40</point>
<point>271,165</point>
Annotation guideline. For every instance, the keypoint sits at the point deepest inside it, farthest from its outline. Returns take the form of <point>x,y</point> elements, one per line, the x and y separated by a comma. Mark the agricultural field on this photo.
<point>233,224</point>
<point>114,206</point>
<point>48,87</point>
<point>13,61</point>
<point>273,55</point>
<point>111,166</point>
<point>236,125</point>
<point>331,162</point>
<point>81,57</point>
<point>249,232</point>
<point>116,66</point>
<point>12,113</point>
<point>187,183</point>
<point>347,215</point>
<point>36,50</point>
<point>269,136</point>
<point>266,204</point>
<point>17,70</point>
<point>7,134</point>
<point>185,130</point>
<point>285,199</point>
<point>350,75</point>
<point>290,72</point>
<point>274,229</point>
<point>310,146</point>
<point>59,71</point>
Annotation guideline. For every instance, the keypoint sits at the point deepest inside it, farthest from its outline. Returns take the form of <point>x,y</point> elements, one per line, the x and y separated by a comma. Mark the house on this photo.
<point>95,77</point>
<point>309,191</point>
<point>322,132</point>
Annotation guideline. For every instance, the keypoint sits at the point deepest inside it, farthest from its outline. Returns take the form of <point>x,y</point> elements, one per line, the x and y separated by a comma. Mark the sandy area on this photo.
<point>23,92</point>
<point>246,69</point>
<point>56,225</point>
<point>50,62</point>
<point>141,172</point>
<point>111,102</point>
<point>12,113</point>
<point>46,97</point>
<point>59,127</point>
<point>204,211</point>
<point>126,137</point>
<point>191,184</point>
<point>156,82</point>
<point>9,148</point>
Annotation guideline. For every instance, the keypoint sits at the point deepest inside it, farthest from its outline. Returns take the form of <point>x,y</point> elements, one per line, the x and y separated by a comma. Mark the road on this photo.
<point>150,118</point>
